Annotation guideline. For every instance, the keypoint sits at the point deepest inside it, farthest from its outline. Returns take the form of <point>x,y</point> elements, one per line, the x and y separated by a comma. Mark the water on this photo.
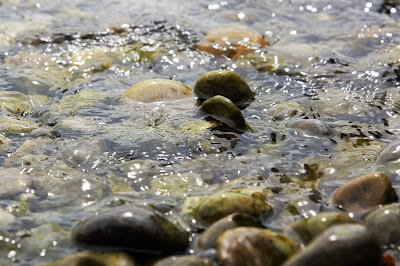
<point>85,152</point>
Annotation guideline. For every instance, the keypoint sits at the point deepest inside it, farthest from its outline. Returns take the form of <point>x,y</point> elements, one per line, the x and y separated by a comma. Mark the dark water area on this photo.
<point>69,149</point>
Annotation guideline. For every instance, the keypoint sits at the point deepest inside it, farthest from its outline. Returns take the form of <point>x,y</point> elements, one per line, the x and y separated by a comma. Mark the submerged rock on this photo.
<point>208,209</point>
<point>254,247</point>
<point>285,111</point>
<point>208,239</point>
<point>312,128</point>
<point>16,124</point>
<point>19,103</point>
<point>94,258</point>
<point>155,90</point>
<point>224,110</point>
<point>183,261</point>
<point>131,227</point>
<point>385,223</point>
<point>231,41</point>
<point>391,153</point>
<point>313,226</point>
<point>364,193</point>
<point>225,83</point>
<point>341,245</point>
<point>13,182</point>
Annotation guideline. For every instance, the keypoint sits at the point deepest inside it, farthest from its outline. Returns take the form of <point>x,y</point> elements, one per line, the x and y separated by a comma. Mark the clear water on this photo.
<point>338,59</point>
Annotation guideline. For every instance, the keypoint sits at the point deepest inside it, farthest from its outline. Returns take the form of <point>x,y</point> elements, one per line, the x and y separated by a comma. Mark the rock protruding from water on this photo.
<point>224,110</point>
<point>225,83</point>
<point>231,41</point>
<point>131,227</point>
<point>208,239</point>
<point>156,90</point>
<point>365,193</point>
<point>385,223</point>
<point>254,247</point>
<point>341,245</point>
<point>313,226</point>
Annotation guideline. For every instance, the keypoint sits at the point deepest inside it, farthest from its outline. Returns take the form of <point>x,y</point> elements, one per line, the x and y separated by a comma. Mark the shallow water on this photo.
<point>84,152</point>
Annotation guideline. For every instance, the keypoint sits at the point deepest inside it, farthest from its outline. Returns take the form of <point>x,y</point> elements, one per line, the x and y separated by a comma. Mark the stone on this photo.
<point>89,258</point>
<point>285,111</point>
<point>208,239</point>
<point>224,83</point>
<point>391,153</point>
<point>385,223</point>
<point>6,218</point>
<point>13,182</point>
<point>364,193</point>
<point>188,260</point>
<point>224,110</point>
<point>156,90</point>
<point>18,103</point>
<point>312,128</point>
<point>17,124</point>
<point>131,227</point>
<point>254,247</point>
<point>313,226</point>
<point>231,41</point>
<point>340,245</point>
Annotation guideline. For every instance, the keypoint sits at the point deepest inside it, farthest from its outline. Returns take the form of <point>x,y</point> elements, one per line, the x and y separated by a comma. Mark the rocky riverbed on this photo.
<point>199,133</point>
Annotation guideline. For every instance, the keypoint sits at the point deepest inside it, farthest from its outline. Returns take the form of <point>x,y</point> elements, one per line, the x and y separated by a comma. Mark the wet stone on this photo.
<point>156,90</point>
<point>224,110</point>
<point>254,247</point>
<point>183,261</point>
<point>312,128</point>
<point>131,227</point>
<point>208,239</point>
<point>340,245</point>
<point>224,83</point>
<point>285,111</point>
<point>311,227</point>
<point>364,193</point>
<point>18,103</point>
<point>16,124</point>
<point>385,223</point>
<point>13,182</point>
<point>94,258</point>
<point>391,153</point>
<point>231,41</point>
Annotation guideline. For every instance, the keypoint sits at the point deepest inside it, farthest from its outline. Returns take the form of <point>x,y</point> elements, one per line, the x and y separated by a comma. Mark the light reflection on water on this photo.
<point>335,59</point>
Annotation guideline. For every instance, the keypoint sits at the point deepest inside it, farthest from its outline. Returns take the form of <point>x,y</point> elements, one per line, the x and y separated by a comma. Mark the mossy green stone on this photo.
<point>225,83</point>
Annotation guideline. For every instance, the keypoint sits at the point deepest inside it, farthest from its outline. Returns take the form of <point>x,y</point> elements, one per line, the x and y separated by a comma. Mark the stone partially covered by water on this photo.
<point>311,227</point>
<point>208,209</point>
<point>224,83</point>
<point>391,153</point>
<point>156,90</point>
<point>188,260</point>
<point>340,245</point>
<point>224,110</point>
<point>285,111</point>
<point>312,128</point>
<point>254,247</point>
<point>231,41</point>
<point>208,239</point>
<point>364,193</point>
<point>13,182</point>
<point>385,223</point>
<point>88,258</point>
<point>18,103</point>
<point>12,124</point>
<point>130,227</point>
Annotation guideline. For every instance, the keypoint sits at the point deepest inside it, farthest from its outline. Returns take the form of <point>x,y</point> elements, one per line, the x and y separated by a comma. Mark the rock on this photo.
<point>156,90</point>
<point>131,227</point>
<point>285,111</point>
<point>13,182</point>
<point>183,261</point>
<point>176,184</point>
<point>385,223</point>
<point>208,239</point>
<point>254,247</point>
<point>224,110</point>
<point>18,208</point>
<point>224,83</point>
<point>391,153</point>
<point>313,226</point>
<point>19,103</point>
<point>88,258</point>
<point>16,124</point>
<point>312,128</point>
<point>340,245</point>
<point>231,41</point>
<point>364,193</point>
<point>78,153</point>
<point>198,126</point>
<point>209,209</point>
<point>6,218</point>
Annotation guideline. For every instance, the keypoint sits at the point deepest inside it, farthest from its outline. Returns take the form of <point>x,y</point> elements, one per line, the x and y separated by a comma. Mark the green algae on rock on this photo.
<point>231,41</point>
<point>156,90</point>
<point>313,226</point>
<point>340,245</point>
<point>14,124</point>
<point>364,193</point>
<point>385,223</point>
<point>188,260</point>
<point>208,209</point>
<point>130,227</point>
<point>224,110</point>
<point>225,83</point>
<point>208,239</point>
<point>254,247</point>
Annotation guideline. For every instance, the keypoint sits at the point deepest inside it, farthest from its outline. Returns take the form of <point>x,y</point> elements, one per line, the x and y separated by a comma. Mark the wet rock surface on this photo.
<point>341,245</point>
<point>183,261</point>
<point>253,246</point>
<point>364,193</point>
<point>130,227</point>
<point>94,258</point>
